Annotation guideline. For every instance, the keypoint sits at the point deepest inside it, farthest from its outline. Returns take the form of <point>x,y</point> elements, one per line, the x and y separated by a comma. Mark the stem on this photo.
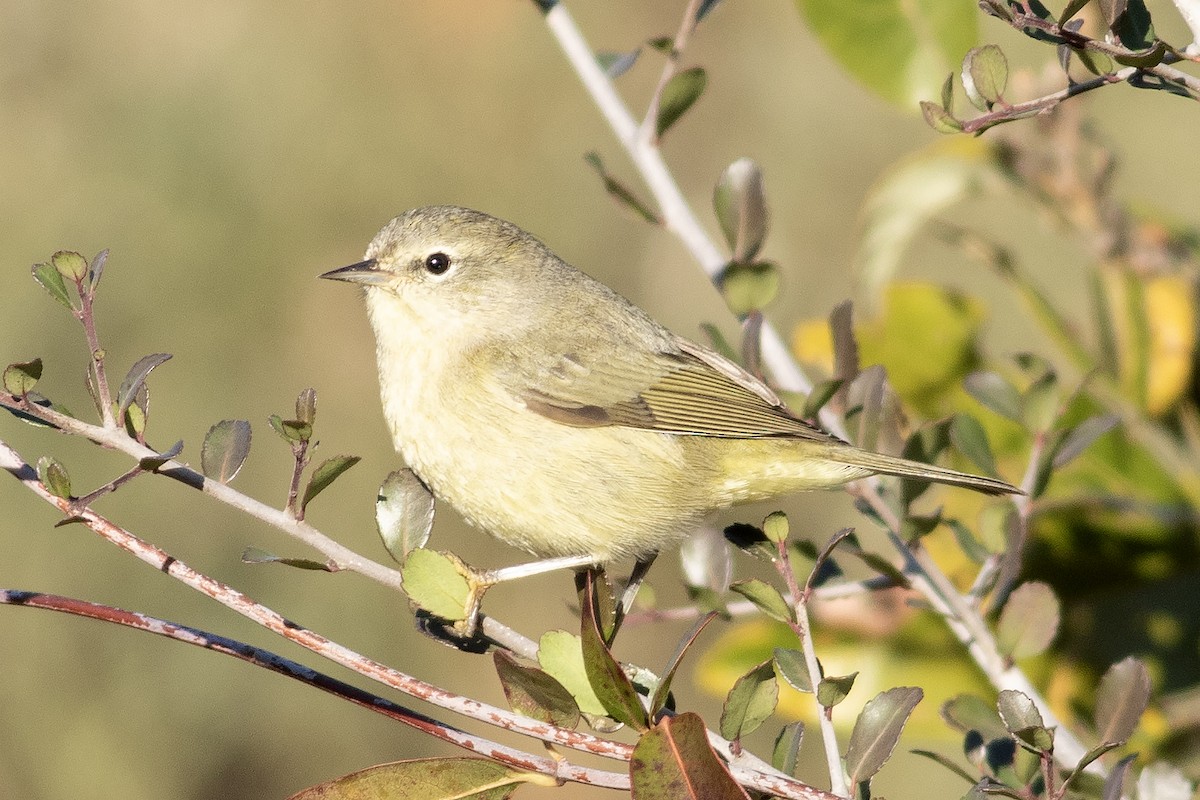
<point>803,630</point>
<point>95,355</point>
<point>650,121</point>
<point>276,663</point>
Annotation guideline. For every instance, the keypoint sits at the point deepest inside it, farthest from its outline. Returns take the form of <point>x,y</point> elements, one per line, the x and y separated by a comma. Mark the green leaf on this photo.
<point>617,64</point>
<point>53,476</point>
<point>674,761</point>
<point>226,446</point>
<point>790,666</point>
<point>1023,720</point>
<point>534,693</point>
<point>994,392</point>
<point>403,513</point>
<point>434,582</point>
<point>677,97</point>
<point>135,379</point>
<point>912,193</point>
<point>1082,436</point>
<point>306,406</point>
<point>971,440</point>
<point>21,377</point>
<point>897,49</point>
<point>1121,699</point>
<point>787,748</point>
<point>940,119</point>
<point>833,690</point>
<point>255,555</point>
<point>151,463</point>
<point>291,431</point>
<point>741,208</point>
<point>877,730</point>
<point>985,75</point>
<point>97,269</point>
<point>752,541</point>
<point>619,192</point>
<point>426,779</point>
<point>775,526</point>
<point>51,280</point>
<point>766,598</point>
<point>329,471</point>
<point>970,544</point>
<point>1029,621</point>
<point>620,700</point>
<point>750,702</point>
<point>70,264</point>
<point>749,287</point>
<point>561,655</point>
<point>967,713</point>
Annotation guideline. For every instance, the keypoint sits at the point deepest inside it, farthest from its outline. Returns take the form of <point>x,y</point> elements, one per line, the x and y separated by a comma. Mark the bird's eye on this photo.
<point>437,264</point>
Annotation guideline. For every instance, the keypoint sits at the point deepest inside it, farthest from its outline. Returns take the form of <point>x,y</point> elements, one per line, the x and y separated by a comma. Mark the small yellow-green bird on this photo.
<point>555,415</point>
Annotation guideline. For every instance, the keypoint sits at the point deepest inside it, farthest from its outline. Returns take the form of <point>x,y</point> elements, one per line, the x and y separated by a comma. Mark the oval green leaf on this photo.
<point>765,597</point>
<point>433,582</point>
<point>53,476</point>
<point>750,702</point>
<point>226,446</point>
<point>1121,699</point>
<point>741,208</point>
<point>534,693</point>
<point>749,287</point>
<point>328,472</point>
<point>404,513</point>
<point>678,95</point>
<point>561,655</point>
<point>674,761</point>
<point>51,280</point>
<point>877,730</point>
<point>1029,621</point>
<point>21,377</point>
<point>425,779</point>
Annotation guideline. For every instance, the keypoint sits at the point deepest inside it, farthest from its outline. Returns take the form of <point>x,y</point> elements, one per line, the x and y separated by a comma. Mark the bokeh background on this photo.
<point>227,153</point>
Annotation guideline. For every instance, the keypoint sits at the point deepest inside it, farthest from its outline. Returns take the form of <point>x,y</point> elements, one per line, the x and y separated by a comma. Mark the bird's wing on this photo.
<point>691,391</point>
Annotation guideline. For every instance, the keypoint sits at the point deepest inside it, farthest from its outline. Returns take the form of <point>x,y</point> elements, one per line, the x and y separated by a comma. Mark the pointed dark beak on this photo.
<point>364,272</point>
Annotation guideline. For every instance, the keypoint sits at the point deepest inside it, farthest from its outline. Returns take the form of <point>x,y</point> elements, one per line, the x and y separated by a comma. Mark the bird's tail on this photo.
<point>915,470</point>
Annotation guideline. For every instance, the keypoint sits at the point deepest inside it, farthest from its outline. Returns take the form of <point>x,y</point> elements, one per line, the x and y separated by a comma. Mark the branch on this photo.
<point>296,671</point>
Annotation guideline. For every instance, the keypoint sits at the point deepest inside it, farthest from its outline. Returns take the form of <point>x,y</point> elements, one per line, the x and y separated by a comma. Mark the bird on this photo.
<point>557,416</point>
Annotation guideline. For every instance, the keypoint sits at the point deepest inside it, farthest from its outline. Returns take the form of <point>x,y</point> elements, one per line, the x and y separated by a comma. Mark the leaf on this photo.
<point>821,394</point>
<point>561,655</point>
<point>940,119</point>
<point>291,431</point>
<point>749,287</point>
<point>306,406</point>
<point>604,673</point>
<point>677,97</point>
<point>620,192</point>
<point>1023,720</point>
<point>135,379</point>
<point>617,64</point>
<point>898,50</point>
<point>434,582</point>
<point>766,598</point>
<point>1029,621</point>
<point>51,280</point>
<point>833,690</point>
<point>985,75</point>
<point>21,377</point>
<point>752,541</point>
<point>226,446</point>
<point>967,712</point>
<point>70,265</point>
<point>1040,403</point>
<point>786,751</point>
<point>662,692</point>
<point>1114,784</point>
<point>877,730</point>
<point>328,472</point>
<point>1121,699</point>
<point>994,392</point>
<point>775,526</point>
<point>947,763</point>
<point>534,693</point>
<point>426,779</point>
<point>1082,436</point>
<point>97,268</point>
<point>151,463</point>
<point>790,665</point>
<point>254,555</point>
<point>741,208</point>
<point>673,761</point>
<point>403,513</point>
<point>971,546</point>
<point>53,476</point>
<point>971,440</point>
<point>750,702</point>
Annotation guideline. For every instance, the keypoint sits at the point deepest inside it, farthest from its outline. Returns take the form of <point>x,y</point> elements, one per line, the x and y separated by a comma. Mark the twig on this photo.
<point>276,663</point>
<point>686,27</point>
<point>12,462</point>
<point>338,555</point>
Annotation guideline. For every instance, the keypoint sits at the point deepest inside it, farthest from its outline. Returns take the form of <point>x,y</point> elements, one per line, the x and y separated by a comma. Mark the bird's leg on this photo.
<point>479,581</point>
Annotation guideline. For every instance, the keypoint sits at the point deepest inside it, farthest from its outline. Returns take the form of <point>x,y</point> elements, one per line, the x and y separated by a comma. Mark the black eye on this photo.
<point>437,264</point>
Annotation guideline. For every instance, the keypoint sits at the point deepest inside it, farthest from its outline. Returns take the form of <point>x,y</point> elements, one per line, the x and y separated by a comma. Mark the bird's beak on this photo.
<point>364,272</point>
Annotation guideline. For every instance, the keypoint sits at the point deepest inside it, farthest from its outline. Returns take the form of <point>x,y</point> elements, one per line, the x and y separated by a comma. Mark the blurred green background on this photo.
<point>228,152</point>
